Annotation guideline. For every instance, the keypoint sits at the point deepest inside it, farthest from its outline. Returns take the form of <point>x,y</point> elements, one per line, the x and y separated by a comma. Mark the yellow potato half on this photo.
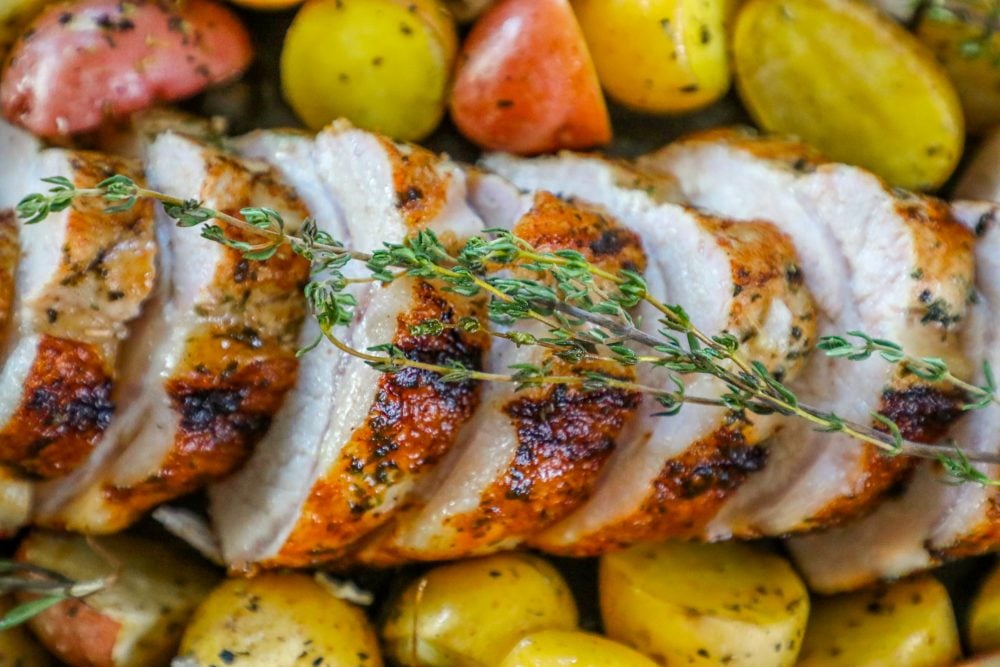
<point>704,604</point>
<point>561,648</point>
<point>470,613</point>
<point>906,624</point>
<point>853,83</point>
<point>382,64</point>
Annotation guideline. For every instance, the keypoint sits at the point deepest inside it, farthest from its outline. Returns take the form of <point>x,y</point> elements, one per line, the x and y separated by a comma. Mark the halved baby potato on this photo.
<point>853,83</point>
<point>556,648</point>
<point>687,603</point>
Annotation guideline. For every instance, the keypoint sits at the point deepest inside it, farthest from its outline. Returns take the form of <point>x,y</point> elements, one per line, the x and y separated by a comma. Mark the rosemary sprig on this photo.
<point>584,308</point>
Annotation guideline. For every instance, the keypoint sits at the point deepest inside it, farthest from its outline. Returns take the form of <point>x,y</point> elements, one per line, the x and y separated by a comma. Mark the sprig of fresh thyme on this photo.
<point>584,309</point>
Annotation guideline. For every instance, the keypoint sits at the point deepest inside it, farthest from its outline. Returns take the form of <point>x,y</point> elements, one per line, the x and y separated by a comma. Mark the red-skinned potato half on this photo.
<point>525,81</point>
<point>81,62</point>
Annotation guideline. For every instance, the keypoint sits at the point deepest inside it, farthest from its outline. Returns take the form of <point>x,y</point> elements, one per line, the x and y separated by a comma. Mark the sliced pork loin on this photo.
<point>670,475</point>
<point>892,264</point>
<point>529,457</point>
<point>82,275</point>
<point>211,359</point>
<point>350,442</point>
<point>933,520</point>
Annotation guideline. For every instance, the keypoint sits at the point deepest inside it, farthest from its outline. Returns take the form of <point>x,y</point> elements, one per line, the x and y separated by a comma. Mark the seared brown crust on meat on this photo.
<point>976,540</point>
<point>66,406</point>
<point>692,487</point>
<point>9,253</point>
<point>237,364</point>
<point>105,273</point>
<point>413,421</point>
<point>421,188</point>
<point>799,157</point>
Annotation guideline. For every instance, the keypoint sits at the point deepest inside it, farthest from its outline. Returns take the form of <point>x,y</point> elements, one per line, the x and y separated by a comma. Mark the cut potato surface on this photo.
<point>138,619</point>
<point>278,620</point>
<point>907,624</point>
<point>851,82</point>
<point>382,64</point>
<point>559,648</point>
<point>659,56</point>
<point>684,603</point>
<point>471,613</point>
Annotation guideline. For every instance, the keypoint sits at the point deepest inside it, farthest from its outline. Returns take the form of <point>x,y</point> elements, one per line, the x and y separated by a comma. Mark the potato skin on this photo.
<point>278,619</point>
<point>108,58</point>
<point>470,613</point>
<point>906,624</point>
<point>984,616</point>
<point>850,81</point>
<point>375,62</point>
<point>136,621</point>
<point>525,82</point>
<point>554,648</point>
<point>18,648</point>
<point>684,603</point>
<point>659,56</point>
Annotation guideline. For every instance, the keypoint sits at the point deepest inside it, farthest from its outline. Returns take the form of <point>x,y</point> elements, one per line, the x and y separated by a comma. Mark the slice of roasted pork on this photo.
<point>934,519</point>
<point>883,261</point>
<point>82,275</point>
<point>209,363</point>
<point>350,442</point>
<point>528,457</point>
<point>671,475</point>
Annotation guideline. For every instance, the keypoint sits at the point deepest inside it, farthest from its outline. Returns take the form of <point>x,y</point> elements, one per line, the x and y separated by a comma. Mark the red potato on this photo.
<point>80,62</point>
<point>525,81</point>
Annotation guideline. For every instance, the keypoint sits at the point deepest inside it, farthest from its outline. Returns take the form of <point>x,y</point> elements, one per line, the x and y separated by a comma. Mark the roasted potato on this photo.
<point>906,624</point>
<point>137,621</point>
<point>724,603</point>
<point>853,83</point>
<point>108,58</point>
<point>470,613</point>
<point>465,11</point>
<point>660,56</point>
<point>981,178</point>
<point>959,33</point>
<point>984,615</point>
<point>556,648</point>
<point>382,64</point>
<point>525,81</point>
<point>278,619</point>
<point>18,648</point>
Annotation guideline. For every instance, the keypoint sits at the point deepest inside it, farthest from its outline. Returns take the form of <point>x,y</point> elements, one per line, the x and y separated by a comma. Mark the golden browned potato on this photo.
<point>984,616</point>
<point>470,613</point>
<point>555,648</point>
<point>136,621</point>
<point>382,64</point>
<point>278,620</point>
<point>959,34</point>
<point>661,56</point>
<point>906,624</point>
<point>726,603</point>
<point>18,648</point>
<point>849,80</point>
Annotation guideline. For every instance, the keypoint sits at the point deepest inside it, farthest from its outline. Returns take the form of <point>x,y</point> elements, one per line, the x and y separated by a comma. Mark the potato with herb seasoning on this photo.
<point>659,56</point>
<point>559,648</point>
<point>906,624</point>
<point>18,648</point>
<point>850,81</point>
<point>725,603</point>
<point>289,620</point>
<point>382,64</point>
<point>138,619</point>
<point>471,613</point>
<point>962,36</point>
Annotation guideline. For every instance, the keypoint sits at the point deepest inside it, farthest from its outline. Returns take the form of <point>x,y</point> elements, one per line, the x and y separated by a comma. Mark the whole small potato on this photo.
<point>470,614</point>
<point>984,616</point>
<point>906,624</point>
<point>138,619</point>
<point>382,64</point>
<point>661,56</point>
<point>286,620</point>
<point>724,603</point>
<point>555,648</point>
